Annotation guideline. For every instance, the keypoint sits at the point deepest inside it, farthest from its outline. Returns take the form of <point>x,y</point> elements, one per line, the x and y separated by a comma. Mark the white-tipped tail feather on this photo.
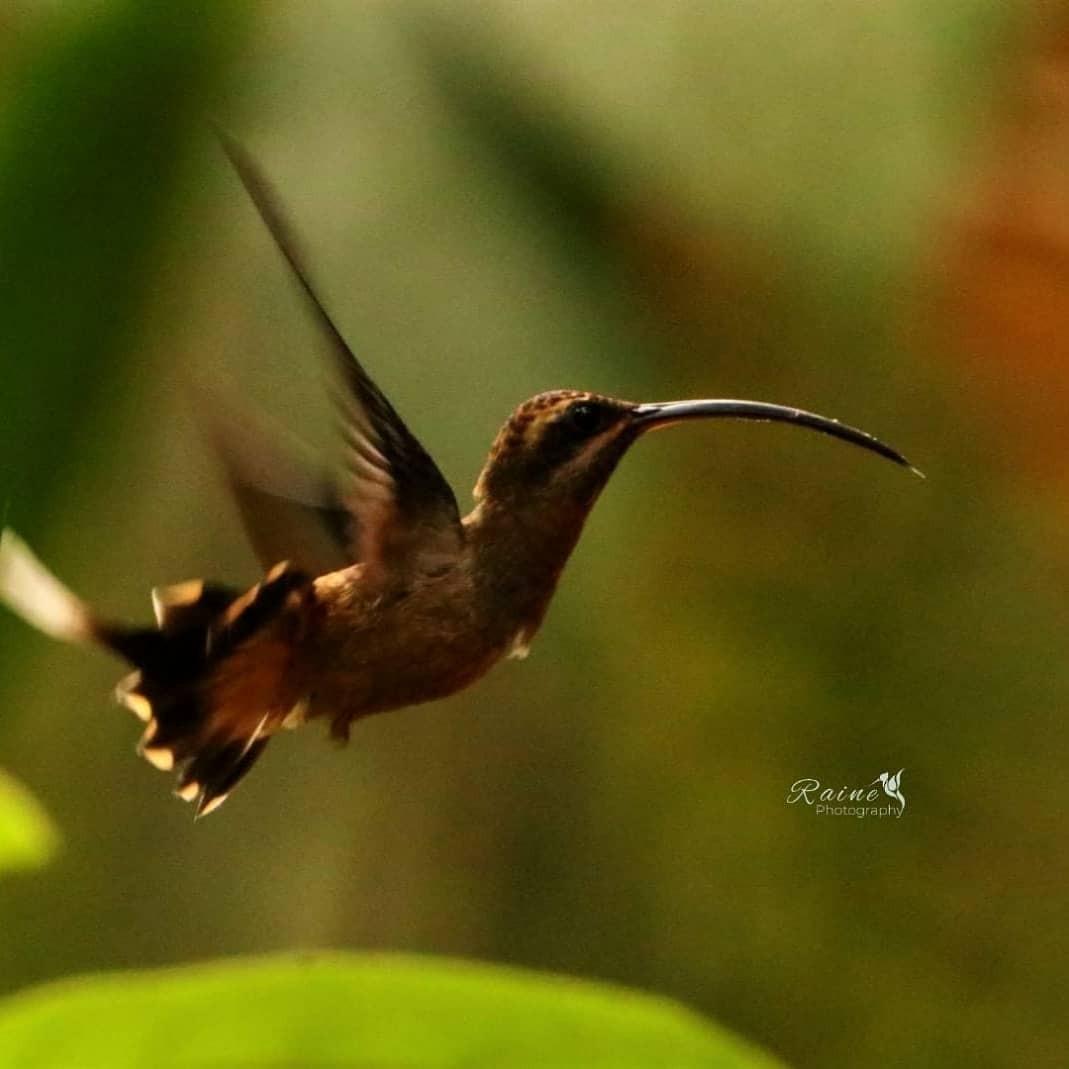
<point>32,591</point>
<point>211,743</point>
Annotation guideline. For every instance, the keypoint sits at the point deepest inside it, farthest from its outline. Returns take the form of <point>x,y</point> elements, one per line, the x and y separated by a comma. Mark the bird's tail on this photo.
<point>32,591</point>
<point>208,733</point>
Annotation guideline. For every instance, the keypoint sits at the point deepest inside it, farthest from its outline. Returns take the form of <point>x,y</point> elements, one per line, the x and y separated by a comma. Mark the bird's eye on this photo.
<point>585,417</point>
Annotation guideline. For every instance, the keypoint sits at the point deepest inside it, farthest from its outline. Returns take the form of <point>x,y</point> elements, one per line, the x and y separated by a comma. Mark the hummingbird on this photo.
<point>377,594</point>
<point>892,787</point>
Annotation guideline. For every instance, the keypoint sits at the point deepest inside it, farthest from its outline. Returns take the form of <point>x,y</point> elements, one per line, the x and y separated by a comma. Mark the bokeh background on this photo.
<point>858,208</point>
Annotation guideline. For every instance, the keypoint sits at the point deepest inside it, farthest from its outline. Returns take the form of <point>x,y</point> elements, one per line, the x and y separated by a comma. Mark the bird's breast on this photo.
<point>372,651</point>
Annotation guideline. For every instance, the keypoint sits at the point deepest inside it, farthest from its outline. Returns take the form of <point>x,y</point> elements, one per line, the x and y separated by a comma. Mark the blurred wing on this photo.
<point>290,507</point>
<point>401,507</point>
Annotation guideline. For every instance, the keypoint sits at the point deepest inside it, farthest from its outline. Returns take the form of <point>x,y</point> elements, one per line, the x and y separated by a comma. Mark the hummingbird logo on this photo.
<point>846,801</point>
<point>892,786</point>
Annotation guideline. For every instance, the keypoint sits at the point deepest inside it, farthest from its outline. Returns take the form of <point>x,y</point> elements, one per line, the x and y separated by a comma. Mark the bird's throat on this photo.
<point>517,562</point>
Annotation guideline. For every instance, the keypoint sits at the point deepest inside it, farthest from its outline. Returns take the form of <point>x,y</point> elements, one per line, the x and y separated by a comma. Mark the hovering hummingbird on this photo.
<point>377,594</point>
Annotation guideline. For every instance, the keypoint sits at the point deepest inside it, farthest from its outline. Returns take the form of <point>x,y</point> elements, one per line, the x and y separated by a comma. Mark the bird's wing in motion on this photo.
<point>289,503</point>
<point>394,507</point>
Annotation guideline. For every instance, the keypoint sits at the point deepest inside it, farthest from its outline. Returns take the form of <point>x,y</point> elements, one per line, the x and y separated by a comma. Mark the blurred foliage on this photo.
<point>27,838</point>
<point>654,201</point>
<point>98,104</point>
<point>375,1010</point>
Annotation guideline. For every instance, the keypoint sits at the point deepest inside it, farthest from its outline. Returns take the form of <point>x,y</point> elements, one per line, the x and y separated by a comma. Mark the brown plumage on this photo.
<point>378,595</point>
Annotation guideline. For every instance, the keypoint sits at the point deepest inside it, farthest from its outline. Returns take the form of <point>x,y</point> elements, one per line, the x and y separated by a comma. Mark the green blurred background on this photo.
<point>654,201</point>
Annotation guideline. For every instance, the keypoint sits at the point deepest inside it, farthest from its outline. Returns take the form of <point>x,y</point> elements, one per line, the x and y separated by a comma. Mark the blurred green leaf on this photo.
<point>28,839</point>
<point>99,103</point>
<point>519,126</point>
<point>373,1010</point>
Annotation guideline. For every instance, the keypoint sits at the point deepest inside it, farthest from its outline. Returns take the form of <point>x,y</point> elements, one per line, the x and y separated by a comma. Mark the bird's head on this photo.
<point>559,448</point>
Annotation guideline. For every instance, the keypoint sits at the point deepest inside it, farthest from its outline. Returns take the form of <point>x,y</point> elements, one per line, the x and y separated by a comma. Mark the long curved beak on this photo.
<point>659,414</point>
